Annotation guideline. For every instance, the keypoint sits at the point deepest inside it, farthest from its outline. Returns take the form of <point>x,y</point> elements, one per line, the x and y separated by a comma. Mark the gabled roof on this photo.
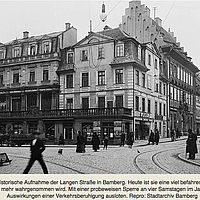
<point>153,44</point>
<point>115,33</point>
<point>35,38</point>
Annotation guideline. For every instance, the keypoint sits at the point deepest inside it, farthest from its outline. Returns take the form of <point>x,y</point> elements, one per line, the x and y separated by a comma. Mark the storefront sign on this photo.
<point>96,125</point>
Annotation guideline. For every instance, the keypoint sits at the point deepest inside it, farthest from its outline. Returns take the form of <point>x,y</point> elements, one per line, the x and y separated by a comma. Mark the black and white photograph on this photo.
<point>99,87</point>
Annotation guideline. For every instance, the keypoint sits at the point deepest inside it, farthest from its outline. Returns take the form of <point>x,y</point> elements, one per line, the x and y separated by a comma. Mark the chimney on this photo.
<point>106,28</point>
<point>67,26</point>
<point>25,34</point>
<point>189,59</point>
<point>158,21</point>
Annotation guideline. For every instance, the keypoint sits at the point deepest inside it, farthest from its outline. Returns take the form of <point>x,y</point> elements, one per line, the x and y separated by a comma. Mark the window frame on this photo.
<point>69,81</point>
<point>119,76</point>
<point>101,78</point>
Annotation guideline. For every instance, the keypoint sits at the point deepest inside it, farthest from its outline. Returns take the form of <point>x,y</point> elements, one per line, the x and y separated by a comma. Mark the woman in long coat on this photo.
<point>157,136</point>
<point>95,141</point>
<point>151,137</point>
<point>80,148</point>
<point>191,146</point>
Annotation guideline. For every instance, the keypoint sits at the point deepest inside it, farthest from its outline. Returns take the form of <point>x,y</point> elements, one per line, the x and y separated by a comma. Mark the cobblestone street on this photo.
<point>167,157</point>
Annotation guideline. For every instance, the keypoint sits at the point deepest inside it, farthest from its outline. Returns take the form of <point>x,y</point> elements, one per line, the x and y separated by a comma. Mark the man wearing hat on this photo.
<point>37,147</point>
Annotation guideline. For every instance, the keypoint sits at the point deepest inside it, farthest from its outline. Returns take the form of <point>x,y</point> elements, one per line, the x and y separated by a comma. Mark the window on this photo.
<point>156,64</point>
<point>101,78</point>
<point>70,58</point>
<point>119,101</point>
<point>156,87</point>
<point>85,102</point>
<point>137,103</point>
<point>160,109</point>
<point>164,89</point>
<point>119,50</point>
<point>84,55</point>
<point>46,47</point>
<point>32,100</point>
<point>1,79</point>
<point>156,108</point>
<point>149,81</point>
<point>32,76</point>
<point>69,81</point>
<point>1,54</point>
<point>45,74</point>
<point>143,80</point>
<point>143,104</point>
<point>137,77</point>
<point>139,52</point>
<point>101,102</point>
<point>16,78</point>
<point>69,103</point>
<point>149,106</point>
<point>160,87</point>
<point>85,80</point>
<point>101,52</point>
<point>16,52</point>
<point>164,110</point>
<point>119,76</point>
<point>32,50</point>
<point>149,59</point>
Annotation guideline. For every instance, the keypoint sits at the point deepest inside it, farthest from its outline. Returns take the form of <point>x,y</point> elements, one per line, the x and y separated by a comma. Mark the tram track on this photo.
<point>154,161</point>
<point>67,167</point>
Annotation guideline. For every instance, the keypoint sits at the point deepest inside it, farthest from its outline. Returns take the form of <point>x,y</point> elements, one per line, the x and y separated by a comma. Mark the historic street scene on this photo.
<point>120,100</point>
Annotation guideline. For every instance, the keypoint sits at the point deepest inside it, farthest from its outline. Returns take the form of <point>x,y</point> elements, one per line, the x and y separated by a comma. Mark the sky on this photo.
<point>41,17</point>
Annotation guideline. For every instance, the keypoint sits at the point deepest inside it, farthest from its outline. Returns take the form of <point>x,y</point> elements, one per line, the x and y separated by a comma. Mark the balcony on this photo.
<point>129,60</point>
<point>66,113</point>
<point>69,67</point>
<point>30,58</point>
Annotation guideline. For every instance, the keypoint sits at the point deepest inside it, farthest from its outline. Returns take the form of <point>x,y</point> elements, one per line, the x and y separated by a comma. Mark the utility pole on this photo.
<point>154,12</point>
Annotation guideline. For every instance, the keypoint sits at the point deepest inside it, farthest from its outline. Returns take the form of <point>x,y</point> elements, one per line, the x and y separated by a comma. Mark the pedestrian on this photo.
<point>122,139</point>
<point>129,140</point>
<point>37,147</point>
<point>61,140</point>
<point>172,135</point>
<point>151,137</point>
<point>105,141</point>
<point>80,147</point>
<point>191,145</point>
<point>95,142</point>
<point>157,136</point>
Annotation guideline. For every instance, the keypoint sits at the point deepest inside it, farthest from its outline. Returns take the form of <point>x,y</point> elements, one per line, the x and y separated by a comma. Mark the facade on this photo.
<point>177,70</point>
<point>150,95</point>
<point>29,84</point>
<point>99,84</point>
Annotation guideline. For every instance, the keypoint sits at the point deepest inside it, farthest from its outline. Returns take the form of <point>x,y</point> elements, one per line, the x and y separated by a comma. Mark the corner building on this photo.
<point>29,84</point>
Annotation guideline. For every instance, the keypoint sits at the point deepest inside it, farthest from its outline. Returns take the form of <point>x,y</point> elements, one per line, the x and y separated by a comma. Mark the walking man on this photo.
<point>122,139</point>
<point>37,147</point>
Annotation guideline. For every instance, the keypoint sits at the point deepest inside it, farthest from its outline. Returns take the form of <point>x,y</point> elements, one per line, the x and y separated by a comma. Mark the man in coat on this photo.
<point>191,146</point>
<point>157,136</point>
<point>37,147</point>
<point>95,142</point>
<point>151,137</point>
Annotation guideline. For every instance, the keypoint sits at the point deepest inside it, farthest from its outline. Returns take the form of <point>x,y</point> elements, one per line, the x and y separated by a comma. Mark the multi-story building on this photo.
<point>177,66</point>
<point>150,95</point>
<point>98,87</point>
<point>29,84</point>
<point>197,110</point>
